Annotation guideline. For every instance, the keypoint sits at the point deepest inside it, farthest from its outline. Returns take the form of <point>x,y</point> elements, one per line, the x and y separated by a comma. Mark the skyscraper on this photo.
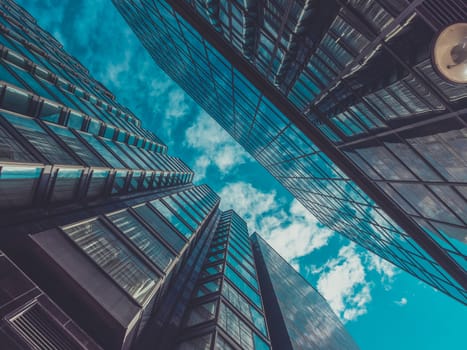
<point>340,101</point>
<point>225,309</point>
<point>298,316</point>
<point>105,242</point>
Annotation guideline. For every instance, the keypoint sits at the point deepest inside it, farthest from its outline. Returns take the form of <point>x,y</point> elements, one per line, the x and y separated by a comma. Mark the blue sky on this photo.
<point>382,306</point>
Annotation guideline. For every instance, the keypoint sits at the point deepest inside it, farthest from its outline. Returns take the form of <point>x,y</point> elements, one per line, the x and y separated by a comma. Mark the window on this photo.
<point>143,239</point>
<point>75,120</point>
<point>66,184</point>
<point>130,162</point>
<point>238,267</point>
<point>425,202</point>
<point>157,224</point>
<point>11,150</point>
<point>243,286</point>
<point>200,343</point>
<point>242,305</point>
<point>119,181</point>
<point>17,185</point>
<point>98,182</point>
<point>211,270</point>
<point>172,218</point>
<point>222,344</point>
<point>182,211</point>
<point>236,328</point>
<point>103,151</point>
<point>114,258</point>
<point>208,287</point>
<point>42,141</point>
<point>201,313</point>
<point>76,145</point>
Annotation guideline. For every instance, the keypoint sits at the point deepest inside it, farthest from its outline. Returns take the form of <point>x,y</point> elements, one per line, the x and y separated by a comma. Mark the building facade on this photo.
<point>340,101</point>
<point>105,242</point>
<point>226,309</point>
<point>298,317</point>
<point>24,309</point>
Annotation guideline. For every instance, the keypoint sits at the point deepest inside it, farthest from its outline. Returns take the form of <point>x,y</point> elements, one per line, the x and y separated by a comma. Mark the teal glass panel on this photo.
<point>17,185</point>
<point>172,218</point>
<point>127,270</point>
<point>157,224</point>
<point>243,286</point>
<point>66,184</point>
<point>140,236</point>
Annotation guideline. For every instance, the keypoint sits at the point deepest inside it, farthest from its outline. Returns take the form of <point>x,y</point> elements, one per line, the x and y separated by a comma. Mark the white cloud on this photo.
<point>344,280</point>
<point>216,146</point>
<point>115,69</point>
<point>384,268</point>
<point>293,232</point>
<point>299,235</point>
<point>201,166</point>
<point>401,302</point>
<point>296,266</point>
<point>250,203</point>
<point>177,105</point>
<point>343,284</point>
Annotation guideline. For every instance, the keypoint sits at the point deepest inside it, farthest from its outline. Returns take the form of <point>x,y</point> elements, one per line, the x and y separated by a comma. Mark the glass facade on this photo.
<point>248,297</point>
<point>136,247</point>
<point>376,154</point>
<point>127,252</point>
<point>302,317</point>
<point>126,260</point>
<point>226,302</point>
<point>63,136</point>
<point>90,201</point>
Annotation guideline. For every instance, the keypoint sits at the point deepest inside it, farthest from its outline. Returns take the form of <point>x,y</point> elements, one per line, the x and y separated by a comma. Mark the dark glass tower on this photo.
<point>105,242</point>
<point>339,100</point>
<point>225,310</point>
<point>298,316</point>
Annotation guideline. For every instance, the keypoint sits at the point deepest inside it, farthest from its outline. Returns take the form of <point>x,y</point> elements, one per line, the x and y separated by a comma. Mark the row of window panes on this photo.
<point>239,331</point>
<point>243,286</point>
<point>245,274</point>
<point>53,111</point>
<point>140,236</point>
<point>55,154</point>
<point>125,268</point>
<point>244,306</point>
<point>18,184</point>
<point>43,73</point>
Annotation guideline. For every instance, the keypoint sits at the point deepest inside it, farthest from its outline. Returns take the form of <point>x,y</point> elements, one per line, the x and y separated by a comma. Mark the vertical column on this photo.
<point>226,311</point>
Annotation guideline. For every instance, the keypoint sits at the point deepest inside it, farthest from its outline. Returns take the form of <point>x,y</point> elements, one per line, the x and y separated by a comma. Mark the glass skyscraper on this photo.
<point>298,316</point>
<point>105,241</point>
<point>340,102</point>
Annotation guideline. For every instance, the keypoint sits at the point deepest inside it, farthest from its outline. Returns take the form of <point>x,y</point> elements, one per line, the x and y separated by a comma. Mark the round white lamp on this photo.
<point>450,53</point>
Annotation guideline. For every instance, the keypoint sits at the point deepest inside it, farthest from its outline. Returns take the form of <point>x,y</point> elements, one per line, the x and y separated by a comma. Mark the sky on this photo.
<point>382,306</point>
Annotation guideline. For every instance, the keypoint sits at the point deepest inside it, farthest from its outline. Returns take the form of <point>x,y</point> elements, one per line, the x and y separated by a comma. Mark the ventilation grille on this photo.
<point>441,13</point>
<point>41,331</point>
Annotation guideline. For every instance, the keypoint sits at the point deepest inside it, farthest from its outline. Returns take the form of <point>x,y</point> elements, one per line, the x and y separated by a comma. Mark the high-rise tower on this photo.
<point>298,316</point>
<point>104,240</point>
<point>341,102</point>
